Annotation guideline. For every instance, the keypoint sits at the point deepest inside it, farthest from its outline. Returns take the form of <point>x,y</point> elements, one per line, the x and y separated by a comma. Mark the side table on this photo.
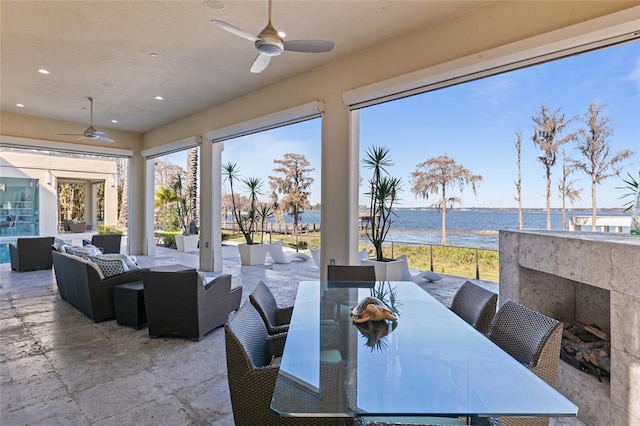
<point>128,300</point>
<point>174,267</point>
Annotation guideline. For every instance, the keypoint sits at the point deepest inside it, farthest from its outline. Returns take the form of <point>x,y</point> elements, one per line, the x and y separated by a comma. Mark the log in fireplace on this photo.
<point>587,348</point>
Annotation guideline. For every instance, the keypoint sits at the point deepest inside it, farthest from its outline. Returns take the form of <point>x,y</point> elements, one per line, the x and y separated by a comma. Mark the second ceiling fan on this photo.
<point>270,43</point>
<point>90,132</point>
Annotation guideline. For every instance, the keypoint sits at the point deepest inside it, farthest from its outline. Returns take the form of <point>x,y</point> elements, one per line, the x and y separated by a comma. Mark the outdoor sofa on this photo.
<point>82,284</point>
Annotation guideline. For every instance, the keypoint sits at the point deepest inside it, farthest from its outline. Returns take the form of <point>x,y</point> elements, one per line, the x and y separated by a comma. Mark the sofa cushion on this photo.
<point>109,267</point>
<point>82,251</point>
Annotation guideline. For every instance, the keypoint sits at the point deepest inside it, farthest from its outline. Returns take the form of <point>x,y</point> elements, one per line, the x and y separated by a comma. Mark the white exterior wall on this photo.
<point>33,166</point>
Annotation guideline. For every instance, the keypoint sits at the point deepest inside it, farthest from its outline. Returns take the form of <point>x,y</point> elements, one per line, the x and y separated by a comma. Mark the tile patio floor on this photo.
<point>57,367</point>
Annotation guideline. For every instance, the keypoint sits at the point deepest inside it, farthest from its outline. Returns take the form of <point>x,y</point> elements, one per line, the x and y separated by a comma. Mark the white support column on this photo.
<point>93,220</point>
<point>339,215</point>
<point>149,196</point>
<point>210,205</point>
<point>89,201</point>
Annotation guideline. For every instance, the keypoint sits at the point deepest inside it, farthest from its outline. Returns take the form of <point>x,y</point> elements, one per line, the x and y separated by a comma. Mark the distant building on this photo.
<point>29,202</point>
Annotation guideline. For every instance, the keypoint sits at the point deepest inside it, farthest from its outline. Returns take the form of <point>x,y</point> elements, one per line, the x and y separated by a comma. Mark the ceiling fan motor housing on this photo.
<point>269,43</point>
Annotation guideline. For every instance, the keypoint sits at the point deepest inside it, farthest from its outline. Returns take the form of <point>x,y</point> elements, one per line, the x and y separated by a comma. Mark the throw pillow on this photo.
<point>109,267</point>
<point>129,261</point>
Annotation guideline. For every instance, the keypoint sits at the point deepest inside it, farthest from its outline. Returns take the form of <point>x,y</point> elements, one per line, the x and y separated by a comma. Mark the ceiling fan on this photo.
<point>90,132</point>
<point>269,42</point>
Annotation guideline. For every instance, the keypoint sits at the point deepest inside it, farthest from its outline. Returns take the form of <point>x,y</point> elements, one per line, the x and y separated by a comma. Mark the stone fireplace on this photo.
<point>593,278</point>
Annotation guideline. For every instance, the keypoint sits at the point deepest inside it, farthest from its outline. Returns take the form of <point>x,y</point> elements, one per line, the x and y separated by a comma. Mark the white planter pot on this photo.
<point>187,242</point>
<point>386,271</point>
<point>254,254</point>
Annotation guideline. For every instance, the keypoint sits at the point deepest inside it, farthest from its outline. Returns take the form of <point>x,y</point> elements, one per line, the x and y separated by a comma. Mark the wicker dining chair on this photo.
<point>476,305</point>
<point>276,319</point>
<point>351,273</point>
<point>252,372</point>
<point>533,339</point>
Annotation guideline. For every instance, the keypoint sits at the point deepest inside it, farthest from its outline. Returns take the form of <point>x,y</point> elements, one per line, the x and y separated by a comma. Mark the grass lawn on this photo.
<point>446,260</point>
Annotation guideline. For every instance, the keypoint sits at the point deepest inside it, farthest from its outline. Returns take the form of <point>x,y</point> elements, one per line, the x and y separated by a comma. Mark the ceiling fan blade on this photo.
<point>309,46</point>
<point>105,139</point>
<point>70,134</point>
<point>260,64</point>
<point>235,30</point>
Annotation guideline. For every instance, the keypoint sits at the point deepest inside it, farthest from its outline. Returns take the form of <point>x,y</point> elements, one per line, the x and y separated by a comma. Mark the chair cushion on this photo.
<point>109,267</point>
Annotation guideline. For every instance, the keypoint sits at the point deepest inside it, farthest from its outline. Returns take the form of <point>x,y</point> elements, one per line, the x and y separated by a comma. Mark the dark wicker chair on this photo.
<point>108,243</point>
<point>351,273</point>
<point>31,254</point>
<point>178,305</point>
<point>423,421</point>
<point>475,305</point>
<point>251,374</point>
<point>534,340</point>
<point>276,319</point>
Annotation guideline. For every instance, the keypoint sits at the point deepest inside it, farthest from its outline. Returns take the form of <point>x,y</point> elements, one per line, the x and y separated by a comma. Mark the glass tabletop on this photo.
<point>428,362</point>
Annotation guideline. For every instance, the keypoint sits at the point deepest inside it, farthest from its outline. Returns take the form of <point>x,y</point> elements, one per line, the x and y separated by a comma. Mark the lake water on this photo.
<point>466,228</point>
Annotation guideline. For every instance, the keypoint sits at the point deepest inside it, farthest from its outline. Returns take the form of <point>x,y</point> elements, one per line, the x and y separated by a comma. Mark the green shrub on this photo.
<point>109,229</point>
<point>167,239</point>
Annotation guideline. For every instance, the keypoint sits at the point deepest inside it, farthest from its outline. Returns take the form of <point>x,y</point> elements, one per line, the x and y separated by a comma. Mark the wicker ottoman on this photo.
<point>128,300</point>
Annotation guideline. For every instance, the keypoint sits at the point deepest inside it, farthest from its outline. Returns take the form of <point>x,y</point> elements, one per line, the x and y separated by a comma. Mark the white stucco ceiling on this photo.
<point>103,49</point>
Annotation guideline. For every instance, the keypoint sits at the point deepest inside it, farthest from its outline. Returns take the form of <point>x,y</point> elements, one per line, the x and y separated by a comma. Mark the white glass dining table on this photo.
<point>428,362</point>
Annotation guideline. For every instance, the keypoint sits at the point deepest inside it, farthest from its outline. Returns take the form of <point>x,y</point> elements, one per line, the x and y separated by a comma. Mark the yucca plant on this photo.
<point>632,188</point>
<point>248,220</point>
<point>632,205</point>
<point>383,194</point>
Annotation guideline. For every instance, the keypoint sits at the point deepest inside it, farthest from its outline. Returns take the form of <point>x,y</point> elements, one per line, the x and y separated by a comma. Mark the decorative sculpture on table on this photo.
<point>376,315</point>
<point>371,309</point>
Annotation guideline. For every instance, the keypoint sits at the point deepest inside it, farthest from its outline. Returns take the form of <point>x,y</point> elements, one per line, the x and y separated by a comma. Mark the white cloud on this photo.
<point>494,90</point>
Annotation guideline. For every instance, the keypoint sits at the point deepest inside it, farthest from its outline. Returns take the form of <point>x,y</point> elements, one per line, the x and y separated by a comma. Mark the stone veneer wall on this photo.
<point>545,270</point>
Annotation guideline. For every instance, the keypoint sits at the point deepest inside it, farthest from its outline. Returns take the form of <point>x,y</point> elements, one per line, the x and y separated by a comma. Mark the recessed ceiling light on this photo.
<point>216,4</point>
<point>114,121</point>
<point>153,55</point>
<point>159,98</point>
<point>20,105</point>
<point>43,71</point>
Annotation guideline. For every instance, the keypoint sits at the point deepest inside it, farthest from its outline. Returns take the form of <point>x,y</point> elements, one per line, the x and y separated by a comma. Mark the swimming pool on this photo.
<point>4,253</point>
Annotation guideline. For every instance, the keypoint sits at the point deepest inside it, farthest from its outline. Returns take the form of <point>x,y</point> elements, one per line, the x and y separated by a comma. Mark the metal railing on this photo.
<point>490,273</point>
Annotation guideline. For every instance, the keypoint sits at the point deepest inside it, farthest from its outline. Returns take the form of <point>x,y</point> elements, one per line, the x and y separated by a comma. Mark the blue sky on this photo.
<point>475,124</point>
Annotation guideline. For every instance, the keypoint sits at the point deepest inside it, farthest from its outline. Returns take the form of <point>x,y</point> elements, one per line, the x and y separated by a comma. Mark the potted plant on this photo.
<point>181,197</point>
<point>383,194</point>
<point>633,205</point>
<point>251,253</point>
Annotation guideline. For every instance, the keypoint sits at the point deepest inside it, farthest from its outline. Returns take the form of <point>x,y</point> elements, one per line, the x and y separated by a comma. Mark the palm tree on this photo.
<point>192,182</point>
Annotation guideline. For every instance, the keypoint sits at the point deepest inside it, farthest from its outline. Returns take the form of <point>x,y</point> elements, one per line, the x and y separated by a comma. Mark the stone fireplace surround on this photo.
<point>589,277</point>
